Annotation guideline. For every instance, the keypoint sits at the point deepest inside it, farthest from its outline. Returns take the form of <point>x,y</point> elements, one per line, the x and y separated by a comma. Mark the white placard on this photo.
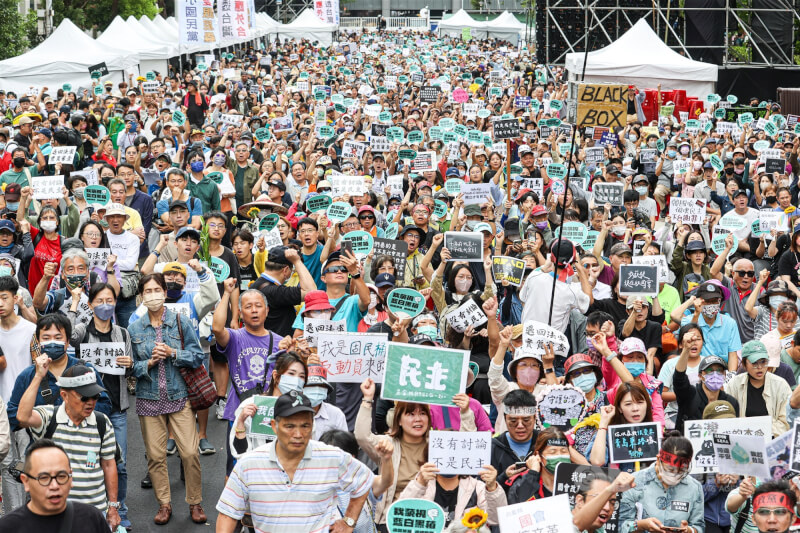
<point>769,220</point>
<point>379,145</point>
<point>425,161</point>
<point>98,257</point>
<point>659,261</point>
<point>537,516</point>
<point>352,357</point>
<point>476,193</point>
<point>103,356</point>
<point>742,455</point>
<point>467,314</point>
<point>395,183</point>
<point>699,433</point>
<point>89,174</point>
<point>346,184</point>
<point>150,87</point>
<point>314,327</point>
<point>47,187</point>
<point>353,150</point>
<point>460,452</point>
<point>61,154</point>
<point>687,210</point>
<point>536,335</point>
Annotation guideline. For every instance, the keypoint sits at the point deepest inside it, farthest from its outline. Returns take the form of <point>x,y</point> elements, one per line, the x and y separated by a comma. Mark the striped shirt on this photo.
<point>85,451</point>
<point>307,502</point>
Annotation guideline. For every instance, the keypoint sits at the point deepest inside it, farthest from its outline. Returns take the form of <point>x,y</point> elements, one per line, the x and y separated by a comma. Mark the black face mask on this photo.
<point>174,290</point>
<point>772,199</point>
<point>54,121</point>
<point>19,162</point>
<point>729,171</point>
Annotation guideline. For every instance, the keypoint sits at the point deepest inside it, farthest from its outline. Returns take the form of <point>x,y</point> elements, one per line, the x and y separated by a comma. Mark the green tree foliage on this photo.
<point>98,14</point>
<point>14,29</point>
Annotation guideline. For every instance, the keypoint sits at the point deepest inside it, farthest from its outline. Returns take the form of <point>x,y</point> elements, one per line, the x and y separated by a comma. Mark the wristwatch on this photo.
<point>113,505</point>
<point>349,521</point>
<point>611,356</point>
<point>356,275</point>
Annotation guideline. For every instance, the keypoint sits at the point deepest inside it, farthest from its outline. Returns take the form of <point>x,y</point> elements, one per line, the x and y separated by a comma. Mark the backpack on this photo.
<point>101,430</point>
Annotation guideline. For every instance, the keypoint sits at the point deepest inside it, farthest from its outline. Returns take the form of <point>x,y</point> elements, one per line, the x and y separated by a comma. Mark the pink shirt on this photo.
<point>650,383</point>
<point>481,418</point>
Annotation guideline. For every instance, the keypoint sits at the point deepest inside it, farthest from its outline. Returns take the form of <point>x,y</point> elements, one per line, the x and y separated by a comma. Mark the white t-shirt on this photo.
<point>126,247</point>
<point>16,346</point>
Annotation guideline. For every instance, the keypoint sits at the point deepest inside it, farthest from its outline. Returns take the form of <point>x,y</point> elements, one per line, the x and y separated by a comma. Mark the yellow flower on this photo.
<point>474,518</point>
<point>253,212</point>
<point>789,210</point>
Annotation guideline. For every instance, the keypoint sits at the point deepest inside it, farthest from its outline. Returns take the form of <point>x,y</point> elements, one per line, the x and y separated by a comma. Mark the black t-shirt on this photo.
<point>281,302</point>
<point>788,265</point>
<point>247,275</point>
<point>755,401</point>
<point>86,519</point>
<point>447,501</point>
<point>228,257</point>
<point>650,334</point>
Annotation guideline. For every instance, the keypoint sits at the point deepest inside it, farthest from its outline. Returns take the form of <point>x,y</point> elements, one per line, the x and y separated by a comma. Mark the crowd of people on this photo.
<point>195,233</point>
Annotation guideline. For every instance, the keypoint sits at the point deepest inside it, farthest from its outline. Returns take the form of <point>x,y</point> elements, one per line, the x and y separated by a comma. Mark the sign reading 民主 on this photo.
<point>424,374</point>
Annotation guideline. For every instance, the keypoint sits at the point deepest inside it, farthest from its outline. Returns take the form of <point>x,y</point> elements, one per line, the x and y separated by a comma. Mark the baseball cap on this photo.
<point>620,249</point>
<point>8,225</point>
<point>385,280</point>
<point>178,203</point>
<point>81,379</point>
<point>718,409</point>
<point>483,226</point>
<point>13,192</point>
<point>189,232</point>
<point>708,166</point>
<point>633,299</point>
<point>754,351</point>
<point>740,192</point>
<point>578,361</point>
<point>631,345</point>
<point>291,404</point>
<point>116,209</point>
<point>563,250</point>
<point>278,255</point>
<point>538,210</point>
<point>707,291</point>
<point>693,246</point>
<point>277,183</point>
<point>612,169</point>
<point>711,360</point>
<point>524,149</point>
<point>174,266</point>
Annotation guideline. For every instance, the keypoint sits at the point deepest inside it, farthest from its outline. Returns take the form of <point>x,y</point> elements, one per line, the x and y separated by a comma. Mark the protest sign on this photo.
<point>560,406</point>
<point>220,269</point>
<point>424,162</point>
<point>319,202</point>
<point>178,117</point>
<point>460,452</point>
<point>272,238</point>
<point>268,222</point>
<point>610,193</point>
<point>430,93</point>
<point>639,280</point>
<point>769,220</point>
<point>658,261</point>
<point>779,451</point>
<point>314,327</point>
<point>505,129</point>
<point>464,246</point>
<point>360,241</point>
<point>378,145</point>
<point>537,516</point>
<point>775,165</point>
<point>96,194</point>
<point>98,257</point>
<point>48,187</point>
<point>453,186</point>
<point>602,105</point>
<point>536,335</point>
<point>700,434</point>
<point>150,87</point>
<point>476,193</point>
<point>687,210</point>
<point>634,442</point>
<point>396,249</point>
<point>731,222</point>
<point>412,515</point>
<point>103,356</point>
<point>405,302</point>
<point>98,70</point>
<point>280,124</point>
<point>794,461</point>
<point>424,374</point>
<point>467,314</point>
<point>680,166</point>
<point>391,230</point>
<point>339,211</point>
<point>742,455</point>
<point>353,150</point>
<point>575,232</point>
<point>344,184</point>
<point>718,243</point>
<point>260,424</point>
<point>61,154</point>
<point>352,357</point>
<point>508,269</point>
<point>591,238</point>
<point>594,155</point>
<point>608,139</point>
<point>568,480</point>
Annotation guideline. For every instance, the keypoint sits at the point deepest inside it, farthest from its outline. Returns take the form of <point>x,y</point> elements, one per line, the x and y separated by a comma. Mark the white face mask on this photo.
<point>671,479</point>
<point>324,315</point>
<point>48,225</point>
<point>463,285</point>
<point>373,300</point>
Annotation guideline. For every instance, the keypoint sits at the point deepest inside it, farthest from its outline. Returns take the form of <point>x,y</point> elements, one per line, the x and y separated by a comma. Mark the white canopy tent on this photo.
<point>452,26</point>
<point>152,54</point>
<point>267,25</point>
<point>65,57</point>
<point>148,28</point>
<point>505,27</point>
<point>640,57</point>
<point>308,26</point>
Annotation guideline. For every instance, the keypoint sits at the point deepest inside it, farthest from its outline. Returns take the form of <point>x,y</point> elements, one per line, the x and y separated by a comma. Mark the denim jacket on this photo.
<point>649,499</point>
<point>143,340</point>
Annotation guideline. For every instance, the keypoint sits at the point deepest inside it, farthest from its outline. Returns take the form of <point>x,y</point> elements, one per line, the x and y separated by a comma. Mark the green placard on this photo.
<point>719,113</point>
<point>260,423</point>
<point>382,90</point>
<point>361,242</point>
<point>755,228</point>
<point>484,113</point>
<point>716,162</point>
<point>745,118</point>
<point>660,145</point>
<point>268,222</point>
<point>435,133</point>
<point>475,136</point>
<point>439,209</point>
<point>67,87</point>
<point>392,230</point>
<point>461,130</point>
<point>202,67</point>
<point>407,303</point>
<point>556,105</point>
<point>320,96</point>
<point>216,177</point>
<point>447,123</point>
<point>552,122</point>
<point>761,145</point>
<point>453,186</point>
<point>395,134</point>
<point>556,171</point>
<point>449,137</point>
<point>319,202</point>
<point>575,232</point>
<point>713,98</point>
<point>337,99</point>
<point>338,211</point>
<point>495,92</point>
<point>385,116</point>
<point>423,374</point>
<point>340,108</point>
<point>262,135</point>
<point>96,194</point>
<point>693,123</point>
<point>150,76</point>
<point>326,132</point>
<point>402,79</point>
<point>178,117</point>
<point>415,137</point>
<point>732,98</point>
<point>407,154</point>
<point>419,516</point>
<point>220,268</point>
<point>98,90</point>
<point>770,129</point>
<point>95,74</point>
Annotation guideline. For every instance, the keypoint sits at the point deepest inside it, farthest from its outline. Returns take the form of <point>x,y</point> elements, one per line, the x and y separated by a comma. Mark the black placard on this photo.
<point>464,246</point>
<point>629,443</point>
<point>775,165</point>
<point>638,279</point>
<point>506,129</point>
<point>568,479</point>
<point>430,94</point>
<point>732,113</point>
<point>396,249</point>
<point>608,193</point>
<point>379,130</point>
<point>100,67</point>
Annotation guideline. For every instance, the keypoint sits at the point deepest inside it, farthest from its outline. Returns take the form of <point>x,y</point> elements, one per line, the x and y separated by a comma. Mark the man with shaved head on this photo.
<point>741,284</point>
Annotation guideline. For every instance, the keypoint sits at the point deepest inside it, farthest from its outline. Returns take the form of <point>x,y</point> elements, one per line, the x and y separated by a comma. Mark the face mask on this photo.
<point>153,301</point>
<point>715,381</point>
<point>48,225</point>
<point>316,395</point>
<point>641,190</point>
<point>290,383</point>
<point>551,462</point>
<point>53,349</point>
<point>348,128</point>
<point>174,290</point>
<point>541,225</point>
<point>197,166</point>
<point>635,368</point>
<point>470,225</point>
<point>373,300</point>
<point>775,301</point>
<point>76,280</point>
<point>463,285</point>
<point>585,382</point>
<point>651,144</point>
<point>430,331</point>
<point>104,311</point>
<point>710,310</point>
<point>705,157</point>
<point>684,150</point>
<point>619,231</point>
<point>671,479</point>
<point>219,160</point>
<point>12,206</point>
<point>19,162</point>
<point>772,199</point>
<point>671,153</point>
<point>78,193</point>
<point>2,147</point>
<point>528,376</point>
<point>324,315</point>
<point>632,138</point>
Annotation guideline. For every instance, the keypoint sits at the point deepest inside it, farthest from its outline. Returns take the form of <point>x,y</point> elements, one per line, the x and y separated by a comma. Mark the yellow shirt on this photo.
<point>134,219</point>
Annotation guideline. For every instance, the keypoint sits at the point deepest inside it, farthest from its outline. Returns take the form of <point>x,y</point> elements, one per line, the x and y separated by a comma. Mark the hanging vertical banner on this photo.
<point>251,13</point>
<point>327,11</point>
<point>196,22</point>
<point>233,24</point>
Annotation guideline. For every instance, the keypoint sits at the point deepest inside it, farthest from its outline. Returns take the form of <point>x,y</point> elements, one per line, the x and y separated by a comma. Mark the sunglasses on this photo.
<point>746,273</point>
<point>85,399</point>
<point>366,217</point>
<point>335,270</point>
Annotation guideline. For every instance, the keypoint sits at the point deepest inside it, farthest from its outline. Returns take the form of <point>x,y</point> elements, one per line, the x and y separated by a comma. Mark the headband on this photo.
<point>519,411</point>
<point>77,381</point>
<point>673,460</point>
<point>557,442</point>
<point>772,499</point>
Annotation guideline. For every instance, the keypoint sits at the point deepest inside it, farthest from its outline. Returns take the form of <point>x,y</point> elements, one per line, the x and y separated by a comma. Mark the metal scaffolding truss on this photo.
<point>284,10</point>
<point>601,22</point>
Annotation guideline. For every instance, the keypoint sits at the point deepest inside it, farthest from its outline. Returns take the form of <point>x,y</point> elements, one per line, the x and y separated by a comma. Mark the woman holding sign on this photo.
<point>665,499</point>
<point>551,449</point>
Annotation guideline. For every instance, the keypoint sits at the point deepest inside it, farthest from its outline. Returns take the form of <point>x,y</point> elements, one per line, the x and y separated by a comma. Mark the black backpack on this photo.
<point>100,418</point>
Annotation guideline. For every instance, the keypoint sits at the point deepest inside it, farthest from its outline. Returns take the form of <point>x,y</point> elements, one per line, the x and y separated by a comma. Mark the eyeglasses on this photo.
<point>45,479</point>
<point>92,235</point>
<point>709,371</point>
<point>366,217</point>
<point>216,226</point>
<point>582,371</point>
<point>85,399</point>
<point>779,512</point>
<point>306,231</point>
<point>335,270</point>
<point>351,225</point>
<point>413,236</point>
<point>746,273</point>
<point>761,363</point>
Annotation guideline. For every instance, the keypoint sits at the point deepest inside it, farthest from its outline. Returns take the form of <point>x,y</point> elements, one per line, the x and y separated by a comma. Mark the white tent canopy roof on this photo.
<point>137,40</point>
<point>505,27</point>
<point>308,26</point>
<point>147,28</point>
<point>453,25</point>
<point>640,57</point>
